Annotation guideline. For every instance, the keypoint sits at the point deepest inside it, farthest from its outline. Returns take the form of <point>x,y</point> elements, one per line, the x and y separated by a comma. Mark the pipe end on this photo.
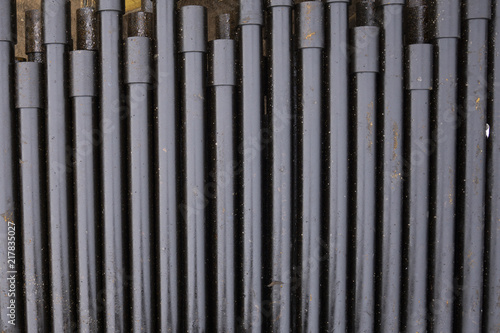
<point>366,49</point>
<point>140,24</point>
<point>138,60</point>
<point>221,63</point>
<point>251,12</point>
<point>86,36</point>
<point>365,13</point>
<point>311,25</point>
<point>27,78</point>
<point>34,31</point>
<point>82,73</point>
<point>420,59</point>
<point>193,29</point>
<point>223,26</point>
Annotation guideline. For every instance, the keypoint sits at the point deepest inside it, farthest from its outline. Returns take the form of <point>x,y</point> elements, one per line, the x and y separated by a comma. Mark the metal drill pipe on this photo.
<point>366,12</point>
<point>472,166</point>
<point>32,215</point>
<point>35,49</point>
<point>83,101</point>
<point>109,18</point>
<point>221,181</point>
<point>295,185</point>
<point>249,176</point>
<point>390,165</point>
<point>337,150</point>
<point>7,196</point>
<point>363,166</point>
<point>416,26</point>
<point>279,165</point>
<point>416,193</point>
<point>34,35</point>
<point>86,29</point>
<point>55,32</point>
<point>139,24</point>
<point>492,242</point>
<point>443,164</point>
<point>83,95</point>
<point>138,81</point>
<point>310,42</point>
<point>147,6</point>
<point>193,35</point>
<point>166,157</point>
<point>223,26</point>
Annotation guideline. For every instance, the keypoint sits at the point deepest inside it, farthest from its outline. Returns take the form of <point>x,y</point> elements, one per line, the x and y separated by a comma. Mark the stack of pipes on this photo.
<point>308,171</point>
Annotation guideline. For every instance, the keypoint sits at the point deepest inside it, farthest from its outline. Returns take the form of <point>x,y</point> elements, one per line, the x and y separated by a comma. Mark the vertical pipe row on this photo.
<point>227,191</point>
<point>83,106</point>
<point>7,196</point>
<point>336,142</point>
<point>109,20</point>
<point>390,164</point>
<point>29,115</point>
<point>279,163</point>
<point>472,165</point>
<point>192,48</point>
<point>446,18</point>
<point>491,312</point>
<point>165,158</point>
<point>249,177</point>
<point>310,43</point>
<point>138,81</point>
<point>363,164</point>
<point>416,174</point>
<point>220,178</point>
<point>55,33</point>
<point>35,269</point>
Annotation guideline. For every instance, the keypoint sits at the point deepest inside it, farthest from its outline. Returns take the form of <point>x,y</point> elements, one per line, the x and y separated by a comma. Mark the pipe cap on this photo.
<point>55,19</point>
<point>311,25</point>
<point>27,79</point>
<point>113,5</point>
<point>193,31</point>
<point>221,63</point>
<point>82,73</point>
<point>420,66</point>
<point>138,60</point>
<point>366,49</point>
<point>251,12</point>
